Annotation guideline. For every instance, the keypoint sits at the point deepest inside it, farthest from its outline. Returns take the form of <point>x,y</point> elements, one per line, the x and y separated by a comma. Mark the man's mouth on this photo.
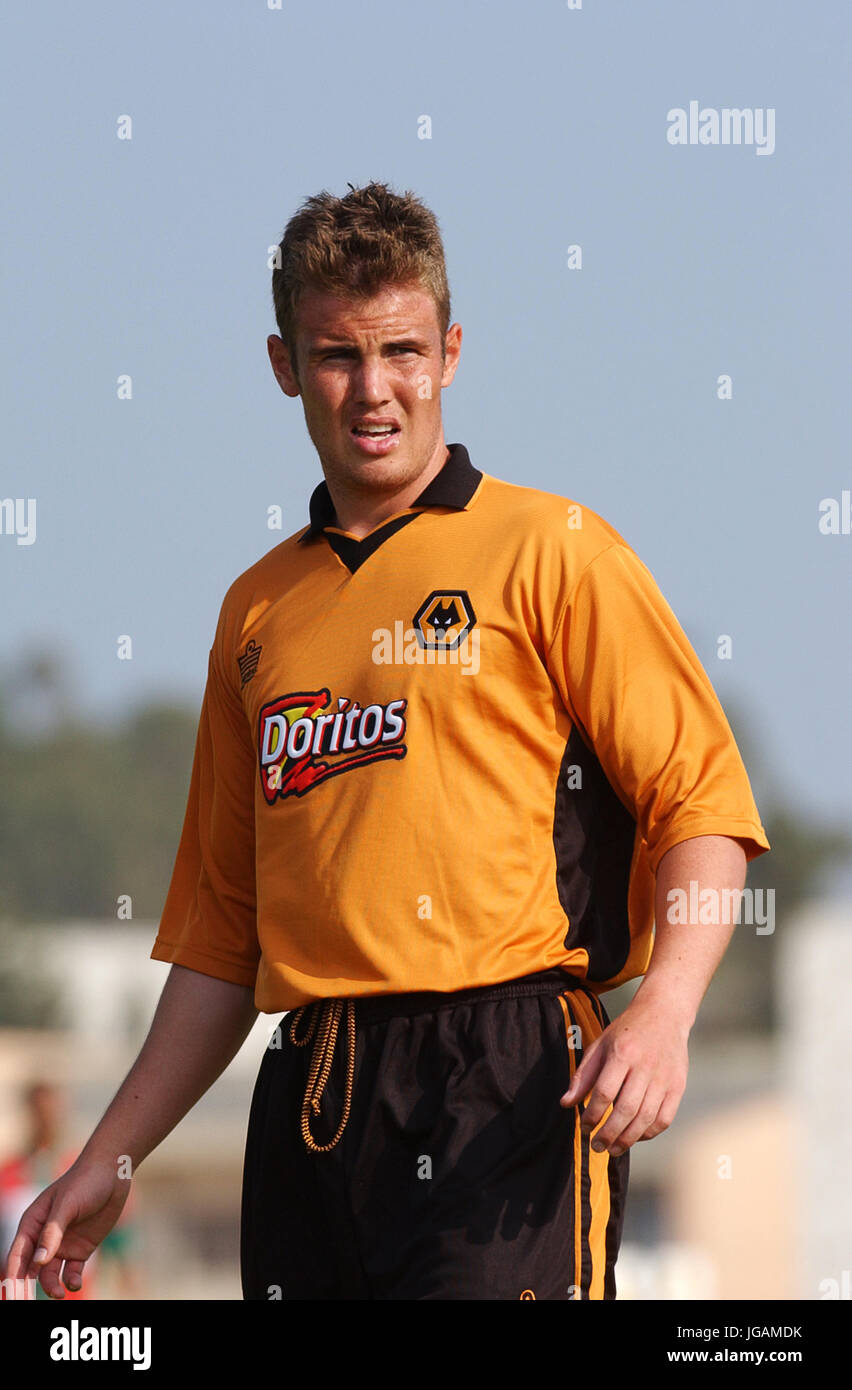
<point>374,431</point>
<point>375,437</point>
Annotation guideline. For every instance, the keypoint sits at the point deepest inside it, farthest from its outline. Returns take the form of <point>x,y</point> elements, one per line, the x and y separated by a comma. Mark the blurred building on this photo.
<point>188,1191</point>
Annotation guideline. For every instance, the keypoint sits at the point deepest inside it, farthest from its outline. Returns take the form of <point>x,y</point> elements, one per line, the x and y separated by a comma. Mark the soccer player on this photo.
<point>455,761</point>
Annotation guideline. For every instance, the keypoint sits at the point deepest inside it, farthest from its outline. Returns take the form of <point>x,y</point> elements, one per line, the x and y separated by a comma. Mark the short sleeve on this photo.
<point>642,701</point>
<point>209,921</point>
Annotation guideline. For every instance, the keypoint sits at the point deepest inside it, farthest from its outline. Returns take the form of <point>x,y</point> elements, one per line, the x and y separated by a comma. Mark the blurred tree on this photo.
<point>29,994</point>
<point>88,814</point>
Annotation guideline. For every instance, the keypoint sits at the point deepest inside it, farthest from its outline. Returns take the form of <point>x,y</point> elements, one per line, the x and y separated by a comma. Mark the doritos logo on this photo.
<point>444,619</point>
<point>295,739</point>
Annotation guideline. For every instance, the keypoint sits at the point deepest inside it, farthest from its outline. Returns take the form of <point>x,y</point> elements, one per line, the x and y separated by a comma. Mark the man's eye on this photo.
<point>347,352</point>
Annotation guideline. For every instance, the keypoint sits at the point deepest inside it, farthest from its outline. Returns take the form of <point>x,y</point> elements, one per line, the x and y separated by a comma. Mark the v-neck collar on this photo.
<point>453,486</point>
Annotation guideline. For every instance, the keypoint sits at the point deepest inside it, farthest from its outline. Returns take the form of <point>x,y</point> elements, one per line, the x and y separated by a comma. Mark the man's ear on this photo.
<point>285,373</point>
<point>452,353</point>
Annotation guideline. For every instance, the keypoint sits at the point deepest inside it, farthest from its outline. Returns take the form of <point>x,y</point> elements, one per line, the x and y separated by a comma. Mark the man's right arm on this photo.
<point>198,1028</point>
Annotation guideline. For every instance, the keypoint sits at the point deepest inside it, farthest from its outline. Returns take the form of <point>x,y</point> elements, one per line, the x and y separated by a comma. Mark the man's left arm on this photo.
<point>639,1063</point>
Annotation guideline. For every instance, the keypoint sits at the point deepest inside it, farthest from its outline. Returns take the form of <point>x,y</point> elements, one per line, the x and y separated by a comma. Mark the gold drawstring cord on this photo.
<point>321,1058</point>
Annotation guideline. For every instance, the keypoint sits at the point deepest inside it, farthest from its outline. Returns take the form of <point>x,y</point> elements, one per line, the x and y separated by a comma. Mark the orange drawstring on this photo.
<point>321,1059</point>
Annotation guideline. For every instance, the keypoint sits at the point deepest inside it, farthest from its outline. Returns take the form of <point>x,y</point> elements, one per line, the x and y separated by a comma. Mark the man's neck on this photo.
<point>358,513</point>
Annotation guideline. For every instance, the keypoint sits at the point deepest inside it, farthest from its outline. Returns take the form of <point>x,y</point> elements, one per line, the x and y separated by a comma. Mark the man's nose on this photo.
<point>371,380</point>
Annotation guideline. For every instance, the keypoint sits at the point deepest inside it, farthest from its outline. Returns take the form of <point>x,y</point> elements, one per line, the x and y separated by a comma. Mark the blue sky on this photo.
<point>149,257</point>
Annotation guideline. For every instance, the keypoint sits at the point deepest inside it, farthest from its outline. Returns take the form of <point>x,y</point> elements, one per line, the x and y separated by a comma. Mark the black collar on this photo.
<point>453,486</point>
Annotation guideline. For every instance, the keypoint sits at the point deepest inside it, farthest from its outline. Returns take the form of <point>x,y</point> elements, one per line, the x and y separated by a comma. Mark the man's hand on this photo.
<point>66,1222</point>
<point>638,1066</point>
<point>639,1063</point>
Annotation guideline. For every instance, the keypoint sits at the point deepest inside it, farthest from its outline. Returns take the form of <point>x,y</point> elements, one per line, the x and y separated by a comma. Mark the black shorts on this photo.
<point>457,1174</point>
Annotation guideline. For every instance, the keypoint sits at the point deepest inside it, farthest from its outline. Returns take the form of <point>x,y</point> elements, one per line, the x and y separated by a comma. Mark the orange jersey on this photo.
<point>445,755</point>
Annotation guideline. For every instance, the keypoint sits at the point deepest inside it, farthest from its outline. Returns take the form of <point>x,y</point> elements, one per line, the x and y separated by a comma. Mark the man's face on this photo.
<point>370,362</point>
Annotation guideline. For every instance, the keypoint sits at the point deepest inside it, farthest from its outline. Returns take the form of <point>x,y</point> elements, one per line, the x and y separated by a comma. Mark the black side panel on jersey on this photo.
<point>593,835</point>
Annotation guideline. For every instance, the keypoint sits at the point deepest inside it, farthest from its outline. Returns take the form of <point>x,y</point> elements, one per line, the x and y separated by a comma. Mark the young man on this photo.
<point>454,754</point>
